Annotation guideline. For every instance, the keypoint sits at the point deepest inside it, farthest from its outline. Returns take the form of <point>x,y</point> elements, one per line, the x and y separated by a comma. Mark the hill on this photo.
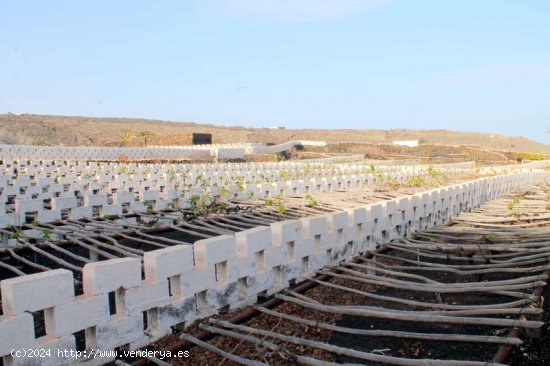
<point>76,131</point>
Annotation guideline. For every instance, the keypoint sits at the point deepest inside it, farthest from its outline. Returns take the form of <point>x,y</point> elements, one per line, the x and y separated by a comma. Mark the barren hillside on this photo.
<point>66,130</point>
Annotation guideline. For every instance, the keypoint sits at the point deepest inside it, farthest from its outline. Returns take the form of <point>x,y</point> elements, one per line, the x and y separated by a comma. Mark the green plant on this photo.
<point>528,156</point>
<point>269,201</point>
<point>416,181</point>
<point>513,204</point>
<point>280,205</point>
<point>492,237</point>
<point>311,202</point>
<point>16,234</point>
<point>436,175</point>
<point>126,137</point>
<point>46,234</point>
<point>281,208</point>
<point>240,186</point>
<point>146,133</point>
<point>513,207</point>
<point>307,169</point>
<point>395,185</point>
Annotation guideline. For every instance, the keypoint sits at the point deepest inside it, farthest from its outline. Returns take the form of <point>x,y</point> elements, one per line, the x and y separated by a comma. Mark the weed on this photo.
<point>311,202</point>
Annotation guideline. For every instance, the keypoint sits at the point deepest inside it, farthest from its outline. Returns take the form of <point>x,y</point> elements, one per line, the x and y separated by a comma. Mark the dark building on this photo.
<point>202,138</point>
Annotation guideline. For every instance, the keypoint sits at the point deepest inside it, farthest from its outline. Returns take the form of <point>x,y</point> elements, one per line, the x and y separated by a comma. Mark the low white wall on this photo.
<point>215,273</point>
<point>49,191</point>
<point>198,152</point>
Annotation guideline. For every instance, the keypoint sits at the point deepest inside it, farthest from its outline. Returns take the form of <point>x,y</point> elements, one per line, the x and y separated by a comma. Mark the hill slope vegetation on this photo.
<point>78,131</point>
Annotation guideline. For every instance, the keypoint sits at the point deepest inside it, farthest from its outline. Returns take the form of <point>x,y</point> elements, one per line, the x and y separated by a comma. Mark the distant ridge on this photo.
<point>76,131</point>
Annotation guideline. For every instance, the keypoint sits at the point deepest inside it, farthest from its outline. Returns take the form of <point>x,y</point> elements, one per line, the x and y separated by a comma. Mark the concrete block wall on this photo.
<point>199,152</point>
<point>181,284</point>
<point>50,190</point>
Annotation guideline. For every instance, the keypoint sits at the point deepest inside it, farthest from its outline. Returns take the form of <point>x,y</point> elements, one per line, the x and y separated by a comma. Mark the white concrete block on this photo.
<point>16,333</point>
<point>51,345</point>
<point>120,330</point>
<point>178,311</point>
<point>107,276</point>
<point>285,231</point>
<point>83,312</point>
<point>214,250</point>
<point>377,210</point>
<point>197,280</point>
<point>168,262</point>
<point>147,296</point>
<point>313,226</point>
<point>253,240</point>
<point>37,291</point>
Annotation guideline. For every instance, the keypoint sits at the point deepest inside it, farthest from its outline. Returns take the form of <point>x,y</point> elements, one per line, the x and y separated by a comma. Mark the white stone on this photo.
<point>168,262</point>
<point>37,291</point>
<point>107,276</point>
<point>83,312</point>
<point>15,333</point>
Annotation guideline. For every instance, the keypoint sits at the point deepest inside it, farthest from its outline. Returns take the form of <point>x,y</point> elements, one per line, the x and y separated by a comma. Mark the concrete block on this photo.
<point>197,280</point>
<point>168,262</point>
<point>16,333</point>
<point>313,226</point>
<point>222,296</point>
<point>214,250</point>
<point>391,207</point>
<point>63,203</point>
<point>337,221</point>
<point>253,240</point>
<point>377,211</point>
<point>276,256</point>
<point>176,312</point>
<point>285,231</point>
<point>107,276</point>
<point>358,215</point>
<point>120,330</point>
<point>404,204</point>
<point>37,291</point>
<point>149,295</point>
<point>49,346</point>
<point>83,312</point>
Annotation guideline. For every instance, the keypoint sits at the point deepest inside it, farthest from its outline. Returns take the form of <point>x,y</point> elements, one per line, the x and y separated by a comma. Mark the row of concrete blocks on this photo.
<point>226,151</point>
<point>64,201</point>
<point>109,173</point>
<point>26,188</point>
<point>78,166</point>
<point>101,177</point>
<point>181,284</point>
<point>112,172</point>
<point>12,162</point>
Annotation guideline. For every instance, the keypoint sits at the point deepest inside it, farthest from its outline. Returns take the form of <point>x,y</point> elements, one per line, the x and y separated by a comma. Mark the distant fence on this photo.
<point>197,152</point>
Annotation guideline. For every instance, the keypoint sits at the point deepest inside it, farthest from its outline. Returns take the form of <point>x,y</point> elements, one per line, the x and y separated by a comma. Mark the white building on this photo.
<point>409,143</point>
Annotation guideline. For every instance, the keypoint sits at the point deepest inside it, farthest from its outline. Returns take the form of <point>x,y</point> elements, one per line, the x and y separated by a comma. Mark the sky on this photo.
<point>465,65</point>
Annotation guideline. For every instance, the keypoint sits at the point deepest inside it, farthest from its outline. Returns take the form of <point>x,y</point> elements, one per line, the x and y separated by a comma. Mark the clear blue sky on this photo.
<point>471,65</point>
